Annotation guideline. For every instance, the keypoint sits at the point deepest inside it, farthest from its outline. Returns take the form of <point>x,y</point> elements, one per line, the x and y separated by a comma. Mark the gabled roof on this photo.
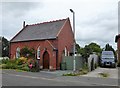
<point>40,31</point>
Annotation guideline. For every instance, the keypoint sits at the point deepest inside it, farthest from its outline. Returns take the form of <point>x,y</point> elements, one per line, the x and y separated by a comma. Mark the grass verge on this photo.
<point>105,75</point>
<point>77,73</point>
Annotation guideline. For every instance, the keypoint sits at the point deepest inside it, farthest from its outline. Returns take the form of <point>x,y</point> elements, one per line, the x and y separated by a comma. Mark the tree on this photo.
<point>110,48</point>
<point>77,48</point>
<point>89,49</point>
<point>95,48</point>
<point>87,52</point>
<point>5,47</point>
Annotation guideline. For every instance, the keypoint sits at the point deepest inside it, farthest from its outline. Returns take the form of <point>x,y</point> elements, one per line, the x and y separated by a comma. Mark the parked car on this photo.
<point>107,59</point>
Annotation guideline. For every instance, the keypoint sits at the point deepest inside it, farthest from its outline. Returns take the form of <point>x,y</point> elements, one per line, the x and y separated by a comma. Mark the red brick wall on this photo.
<point>35,45</point>
<point>65,39</point>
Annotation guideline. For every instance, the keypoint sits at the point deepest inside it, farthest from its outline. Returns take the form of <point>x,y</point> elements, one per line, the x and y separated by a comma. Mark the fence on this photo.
<point>67,62</point>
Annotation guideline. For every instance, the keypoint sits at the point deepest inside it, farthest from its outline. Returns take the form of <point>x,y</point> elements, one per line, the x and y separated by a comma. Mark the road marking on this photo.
<point>53,79</point>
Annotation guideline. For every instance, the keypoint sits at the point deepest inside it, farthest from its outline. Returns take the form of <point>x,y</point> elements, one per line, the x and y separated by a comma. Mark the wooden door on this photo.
<point>45,60</point>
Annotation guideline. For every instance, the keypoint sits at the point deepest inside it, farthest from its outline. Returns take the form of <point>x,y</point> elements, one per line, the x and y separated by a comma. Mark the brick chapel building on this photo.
<point>50,40</point>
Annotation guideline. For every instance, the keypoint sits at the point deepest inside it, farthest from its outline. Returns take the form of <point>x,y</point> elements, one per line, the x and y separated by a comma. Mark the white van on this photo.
<point>108,59</point>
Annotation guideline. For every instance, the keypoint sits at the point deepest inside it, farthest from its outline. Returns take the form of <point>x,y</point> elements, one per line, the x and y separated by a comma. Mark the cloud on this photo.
<point>96,20</point>
<point>119,17</point>
<point>13,14</point>
<point>100,27</point>
<point>17,9</point>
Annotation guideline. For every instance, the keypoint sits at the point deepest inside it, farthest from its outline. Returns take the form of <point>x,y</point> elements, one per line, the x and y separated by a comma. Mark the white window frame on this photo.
<point>38,53</point>
<point>18,52</point>
<point>65,51</point>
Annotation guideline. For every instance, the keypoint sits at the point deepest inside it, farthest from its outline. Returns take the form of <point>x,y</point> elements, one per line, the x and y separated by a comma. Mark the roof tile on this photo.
<point>40,31</point>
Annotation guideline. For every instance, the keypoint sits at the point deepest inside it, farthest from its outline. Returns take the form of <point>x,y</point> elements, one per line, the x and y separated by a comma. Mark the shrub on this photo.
<point>81,72</point>
<point>9,66</point>
<point>0,62</point>
<point>20,67</point>
<point>21,60</point>
<point>25,68</point>
<point>96,65</point>
<point>85,66</point>
<point>2,65</point>
<point>25,65</point>
<point>35,67</point>
<point>27,52</point>
<point>20,64</point>
<point>118,64</point>
<point>70,74</point>
<point>4,61</point>
<point>30,61</point>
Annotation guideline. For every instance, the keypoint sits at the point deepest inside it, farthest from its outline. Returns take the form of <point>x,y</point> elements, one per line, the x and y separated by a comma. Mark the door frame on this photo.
<point>46,52</point>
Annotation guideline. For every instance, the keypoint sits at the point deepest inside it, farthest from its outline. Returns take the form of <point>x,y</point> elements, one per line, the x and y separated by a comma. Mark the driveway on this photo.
<point>112,72</point>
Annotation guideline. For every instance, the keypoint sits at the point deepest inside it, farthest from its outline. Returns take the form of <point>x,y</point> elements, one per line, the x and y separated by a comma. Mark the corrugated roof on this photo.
<point>40,31</point>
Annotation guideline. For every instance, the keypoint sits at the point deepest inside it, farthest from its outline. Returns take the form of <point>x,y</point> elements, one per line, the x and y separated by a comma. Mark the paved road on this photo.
<point>43,78</point>
<point>12,78</point>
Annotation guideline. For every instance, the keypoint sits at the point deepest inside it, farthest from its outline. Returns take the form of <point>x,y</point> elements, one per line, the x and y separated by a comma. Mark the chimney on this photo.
<point>23,24</point>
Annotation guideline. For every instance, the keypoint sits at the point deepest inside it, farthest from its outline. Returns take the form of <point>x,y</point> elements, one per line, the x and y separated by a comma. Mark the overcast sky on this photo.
<point>95,20</point>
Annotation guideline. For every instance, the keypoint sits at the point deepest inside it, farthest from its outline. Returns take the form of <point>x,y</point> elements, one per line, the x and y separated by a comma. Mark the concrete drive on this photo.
<point>112,72</point>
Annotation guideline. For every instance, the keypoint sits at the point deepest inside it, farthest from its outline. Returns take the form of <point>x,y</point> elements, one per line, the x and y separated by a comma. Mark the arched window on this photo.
<point>65,51</point>
<point>38,53</point>
<point>18,52</point>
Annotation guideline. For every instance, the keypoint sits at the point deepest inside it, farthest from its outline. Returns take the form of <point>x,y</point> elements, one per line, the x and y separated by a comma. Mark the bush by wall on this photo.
<point>21,60</point>
<point>118,64</point>
<point>20,64</point>
<point>4,61</point>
